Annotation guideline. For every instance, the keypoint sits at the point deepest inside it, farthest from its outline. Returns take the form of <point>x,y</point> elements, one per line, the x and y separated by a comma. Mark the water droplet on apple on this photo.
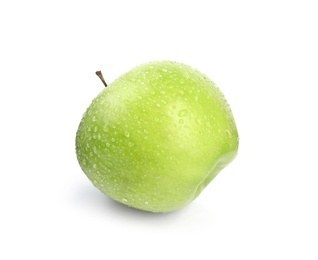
<point>124,200</point>
<point>107,144</point>
<point>198,121</point>
<point>94,166</point>
<point>127,134</point>
<point>130,144</point>
<point>228,134</point>
<point>183,112</point>
<point>181,121</point>
<point>113,139</point>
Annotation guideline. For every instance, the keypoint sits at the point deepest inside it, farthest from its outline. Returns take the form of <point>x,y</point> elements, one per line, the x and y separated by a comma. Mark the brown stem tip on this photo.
<point>100,75</point>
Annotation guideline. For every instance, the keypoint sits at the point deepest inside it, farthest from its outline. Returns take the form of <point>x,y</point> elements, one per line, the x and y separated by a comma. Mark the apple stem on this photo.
<point>100,75</point>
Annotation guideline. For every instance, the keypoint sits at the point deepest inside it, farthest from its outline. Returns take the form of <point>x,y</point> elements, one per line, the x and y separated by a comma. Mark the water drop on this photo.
<point>124,200</point>
<point>228,134</point>
<point>127,134</point>
<point>183,112</point>
<point>198,121</point>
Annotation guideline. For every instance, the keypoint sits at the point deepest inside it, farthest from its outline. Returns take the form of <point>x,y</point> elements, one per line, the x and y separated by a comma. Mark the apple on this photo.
<point>155,137</point>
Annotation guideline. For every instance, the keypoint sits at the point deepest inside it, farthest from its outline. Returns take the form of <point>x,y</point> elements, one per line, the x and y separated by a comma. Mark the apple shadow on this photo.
<point>88,196</point>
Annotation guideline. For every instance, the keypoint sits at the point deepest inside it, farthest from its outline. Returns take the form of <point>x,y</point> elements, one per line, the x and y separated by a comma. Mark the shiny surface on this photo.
<point>156,136</point>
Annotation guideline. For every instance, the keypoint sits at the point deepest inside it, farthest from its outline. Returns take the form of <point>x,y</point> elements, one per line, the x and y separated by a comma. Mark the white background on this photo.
<point>264,57</point>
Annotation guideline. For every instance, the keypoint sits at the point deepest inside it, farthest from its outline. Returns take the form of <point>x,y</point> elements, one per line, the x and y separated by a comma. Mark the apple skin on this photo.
<point>155,137</point>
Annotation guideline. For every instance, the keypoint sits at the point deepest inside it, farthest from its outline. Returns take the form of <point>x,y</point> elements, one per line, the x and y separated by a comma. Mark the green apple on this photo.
<point>155,137</point>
